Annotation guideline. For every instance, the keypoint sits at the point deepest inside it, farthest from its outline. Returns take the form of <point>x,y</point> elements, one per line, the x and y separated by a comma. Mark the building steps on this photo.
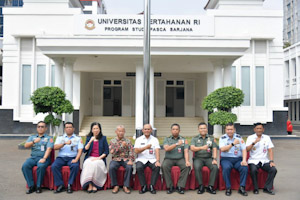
<point>162,124</point>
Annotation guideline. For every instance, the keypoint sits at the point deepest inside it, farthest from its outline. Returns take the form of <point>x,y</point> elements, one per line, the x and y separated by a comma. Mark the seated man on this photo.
<point>147,149</point>
<point>233,155</point>
<point>177,154</point>
<point>70,148</point>
<point>260,145</point>
<point>122,153</point>
<point>205,149</point>
<point>41,146</point>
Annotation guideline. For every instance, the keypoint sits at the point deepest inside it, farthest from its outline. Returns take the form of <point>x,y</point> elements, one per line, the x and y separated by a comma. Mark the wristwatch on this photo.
<point>176,143</point>
<point>33,142</point>
<point>215,159</point>
<point>271,161</point>
<point>232,144</point>
<point>253,143</point>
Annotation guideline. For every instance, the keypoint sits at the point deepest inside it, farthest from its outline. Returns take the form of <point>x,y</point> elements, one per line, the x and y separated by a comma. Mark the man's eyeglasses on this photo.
<point>40,126</point>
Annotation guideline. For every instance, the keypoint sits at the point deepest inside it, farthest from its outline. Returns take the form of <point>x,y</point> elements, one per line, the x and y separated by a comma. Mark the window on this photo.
<point>26,84</point>
<point>170,82</point>
<point>289,21</point>
<point>260,86</point>
<point>179,82</point>
<point>245,78</point>
<point>233,76</point>
<point>41,76</point>
<point>107,82</point>
<point>52,75</point>
<point>117,82</point>
<point>295,113</point>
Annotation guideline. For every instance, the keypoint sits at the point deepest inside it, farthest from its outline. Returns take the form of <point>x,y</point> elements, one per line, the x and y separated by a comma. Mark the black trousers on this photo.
<point>114,166</point>
<point>140,172</point>
<point>272,171</point>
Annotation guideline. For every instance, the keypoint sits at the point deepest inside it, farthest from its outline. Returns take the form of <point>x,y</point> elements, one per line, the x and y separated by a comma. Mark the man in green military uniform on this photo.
<point>177,154</point>
<point>205,149</point>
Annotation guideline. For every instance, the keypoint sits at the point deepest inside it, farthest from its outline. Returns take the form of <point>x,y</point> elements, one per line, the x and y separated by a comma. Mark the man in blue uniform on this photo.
<point>41,146</point>
<point>233,155</point>
<point>70,148</point>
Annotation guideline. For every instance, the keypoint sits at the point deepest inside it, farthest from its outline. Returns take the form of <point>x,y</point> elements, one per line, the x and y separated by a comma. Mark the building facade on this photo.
<point>97,61</point>
<point>291,21</point>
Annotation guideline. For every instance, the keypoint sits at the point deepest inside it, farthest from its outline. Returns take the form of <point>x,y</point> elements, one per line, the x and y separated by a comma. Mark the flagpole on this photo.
<point>146,61</point>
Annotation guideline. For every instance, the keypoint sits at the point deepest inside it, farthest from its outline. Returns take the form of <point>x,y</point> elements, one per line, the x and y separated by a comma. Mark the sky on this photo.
<point>170,7</point>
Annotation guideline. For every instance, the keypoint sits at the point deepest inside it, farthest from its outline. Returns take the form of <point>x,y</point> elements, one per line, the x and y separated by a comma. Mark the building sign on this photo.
<point>199,25</point>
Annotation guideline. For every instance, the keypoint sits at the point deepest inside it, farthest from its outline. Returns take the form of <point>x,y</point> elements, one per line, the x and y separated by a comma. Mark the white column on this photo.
<point>59,63</point>
<point>139,84</point>
<point>218,83</point>
<point>227,73</point>
<point>69,62</point>
<point>151,110</point>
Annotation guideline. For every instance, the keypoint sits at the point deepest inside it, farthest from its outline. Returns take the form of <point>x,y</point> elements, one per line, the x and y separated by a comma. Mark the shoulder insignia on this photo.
<point>223,137</point>
<point>238,136</point>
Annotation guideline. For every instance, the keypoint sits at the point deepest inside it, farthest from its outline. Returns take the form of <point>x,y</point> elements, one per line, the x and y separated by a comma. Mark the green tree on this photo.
<point>220,102</point>
<point>51,100</point>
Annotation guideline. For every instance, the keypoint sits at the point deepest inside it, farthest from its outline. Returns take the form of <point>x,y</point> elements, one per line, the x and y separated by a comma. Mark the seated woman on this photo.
<point>94,171</point>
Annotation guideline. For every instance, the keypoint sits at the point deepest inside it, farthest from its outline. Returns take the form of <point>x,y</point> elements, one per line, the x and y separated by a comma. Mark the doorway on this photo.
<point>112,101</point>
<point>175,101</point>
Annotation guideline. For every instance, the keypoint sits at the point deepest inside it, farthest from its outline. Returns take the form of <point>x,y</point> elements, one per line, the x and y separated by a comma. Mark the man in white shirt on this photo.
<point>260,145</point>
<point>147,149</point>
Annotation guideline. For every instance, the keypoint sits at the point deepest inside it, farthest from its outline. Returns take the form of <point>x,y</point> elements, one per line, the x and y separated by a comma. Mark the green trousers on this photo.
<point>184,171</point>
<point>199,163</point>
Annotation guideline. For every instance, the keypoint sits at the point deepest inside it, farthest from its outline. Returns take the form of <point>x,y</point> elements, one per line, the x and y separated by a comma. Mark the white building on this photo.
<point>97,60</point>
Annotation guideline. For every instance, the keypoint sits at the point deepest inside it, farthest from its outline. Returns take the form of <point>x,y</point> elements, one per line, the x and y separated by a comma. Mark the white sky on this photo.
<point>170,7</point>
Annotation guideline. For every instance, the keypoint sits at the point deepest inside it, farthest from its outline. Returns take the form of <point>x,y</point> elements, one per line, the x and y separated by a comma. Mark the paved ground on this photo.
<point>12,183</point>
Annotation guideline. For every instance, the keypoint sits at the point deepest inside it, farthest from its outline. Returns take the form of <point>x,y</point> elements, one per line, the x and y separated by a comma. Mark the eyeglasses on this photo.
<point>40,126</point>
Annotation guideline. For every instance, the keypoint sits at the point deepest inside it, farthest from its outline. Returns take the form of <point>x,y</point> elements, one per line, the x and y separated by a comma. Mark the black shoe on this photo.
<point>89,191</point>
<point>59,189</point>
<point>143,189</point>
<point>69,189</point>
<point>180,190</point>
<point>228,191</point>
<point>152,190</point>
<point>210,189</point>
<point>201,189</point>
<point>38,190</point>
<point>30,190</point>
<point>170,190</point>
<point>269,191</point>
<point>242,191</point>
<point>255,191</point>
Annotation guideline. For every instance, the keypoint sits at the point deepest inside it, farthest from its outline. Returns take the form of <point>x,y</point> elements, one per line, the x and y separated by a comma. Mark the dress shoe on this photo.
<point>201,189</point>
<point>89,191</point>
<point>170,190</point>
<point>269,191</point>
<point>59,189</point>
<point>255,191</point>
<point>38,190</point>
<point>94,191</point>
<point>126,190</point>
<point>69,189</point>
<point>242,191</point>
<point>180,190</point>
<point>30,190</point>
<point>152,190</point>
<point>143,189</point>
<point>210,189</point>
<point>115,190</point>
<point>228,191</point>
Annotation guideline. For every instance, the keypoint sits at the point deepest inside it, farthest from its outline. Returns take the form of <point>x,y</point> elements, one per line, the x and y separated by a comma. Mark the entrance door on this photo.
<point>112,101</point>
<point>175,101</point>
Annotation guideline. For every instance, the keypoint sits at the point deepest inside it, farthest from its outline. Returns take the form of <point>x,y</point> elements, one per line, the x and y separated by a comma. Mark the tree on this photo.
<point>220,102</point>
<point>51,100</point>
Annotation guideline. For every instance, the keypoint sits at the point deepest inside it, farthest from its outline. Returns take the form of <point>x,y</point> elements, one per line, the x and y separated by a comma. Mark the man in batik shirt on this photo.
<point>122,153</point>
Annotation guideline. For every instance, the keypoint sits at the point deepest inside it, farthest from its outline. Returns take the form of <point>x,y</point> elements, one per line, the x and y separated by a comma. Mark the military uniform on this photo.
<point>65,156</point>
<point>37,152</point>
<point>232,159</point>
<point>175,157</point>
<point>204,158</point>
